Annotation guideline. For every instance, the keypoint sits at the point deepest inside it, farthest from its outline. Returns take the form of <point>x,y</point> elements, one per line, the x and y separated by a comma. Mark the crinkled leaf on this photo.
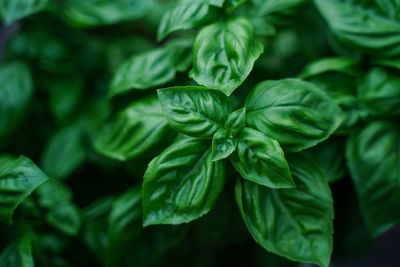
<point>64,153</point>
<point>295,223</point>
<point>150,69</point>
<point>181,184</point>
<point>379,91</point>
<point>141,128</point>
<point>223,145</point>
<point>362,26</point>
<point>19,177</point>
<point>13,10</point>
<point>15,93</point>
<point>194,110</point>
<point>373,159</point>
<point>224,61</point>
<point>295,113</point>
<point>260,159</point>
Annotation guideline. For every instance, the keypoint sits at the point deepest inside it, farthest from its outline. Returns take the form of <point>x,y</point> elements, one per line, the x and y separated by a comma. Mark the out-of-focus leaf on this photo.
<point>91,13</point>
<point>12,10</point>
<point>15,94</point>
<point>153,68</point>
<point>64,153</point>
<point>19,177</point>
<point>141,128</point>
<point>18,253</point>
<point>65,217</point>
<point>373,159</point>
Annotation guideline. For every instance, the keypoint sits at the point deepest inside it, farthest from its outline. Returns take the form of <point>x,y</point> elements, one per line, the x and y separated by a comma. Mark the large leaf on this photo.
<point>64,153</point>
<point>362,26</point>
<point>18,253</point>
<point>224,61</point>
<point>260,159</point>
<point>15,93</point>
<point>103,12</point>
<point>295,113</point>
<point>195,111</point>
<point>141,128</point>
<point>181,184</point>
<point>294,223</point>
<point>19,177</point>
<point>150,69</point>
<point>186,14</point>
<point>12,10</point>
<point>373,158</point>
<point>380,92</point>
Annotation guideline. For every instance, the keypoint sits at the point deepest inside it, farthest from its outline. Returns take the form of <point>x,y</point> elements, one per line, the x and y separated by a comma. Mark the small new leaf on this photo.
<point>223,144</point>
<point>236,121</point>
<point>260,159</point>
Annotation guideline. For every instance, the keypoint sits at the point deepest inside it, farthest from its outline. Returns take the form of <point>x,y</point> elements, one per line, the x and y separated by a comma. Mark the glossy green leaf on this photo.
<point>186,14</point>
<point>295,113</point>
<point>19,253</point>
<point>13,10</point>
<point>141,128</point>
<point>260,159</point>
<point>15,94</point>
<point>64,153</point>
<point>294,223</point>
<point>181,184</point>
<point>379,92</point>
<point>223,145</point>
<point>236,121</point>
<point>373,159</point>
<point>224,61</point>
<point>19,177</point>
<point>362,26</point>
<point>152,68</point>
<point>194,110</point>
<point>91,13</point>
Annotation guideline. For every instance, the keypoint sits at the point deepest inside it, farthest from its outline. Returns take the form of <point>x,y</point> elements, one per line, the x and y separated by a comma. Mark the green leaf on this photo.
<point>223,145</point>
<point>181,184</point>
<point>336,64</point>
<point>137,130</point>
<point>236,121</point>
<point>66,218</point>
<point>150,69</point>
<point>362,26</point>
<point>267,7</point>
<point>15,94</point>
<point>19,177</point>
<point>13,10</point>
<point>91,13</point>
<point>18,253</point>
<point>64,153</point>
<point>260,159</point>
<point>373,159</point>
<point>294,223</point>
<point>194,110</point>
<point>329,155</point>
<point>186,14</point>
<point>295,113</point>
<point>52,193</point>
<point>379,92</point>
<point>224,61</point>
